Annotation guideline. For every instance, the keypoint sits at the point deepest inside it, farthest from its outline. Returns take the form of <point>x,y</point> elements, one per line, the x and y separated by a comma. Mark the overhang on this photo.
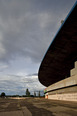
<point>62,53</point>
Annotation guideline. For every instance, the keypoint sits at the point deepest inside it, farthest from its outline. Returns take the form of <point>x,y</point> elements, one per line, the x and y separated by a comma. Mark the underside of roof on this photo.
<point>62,53</point>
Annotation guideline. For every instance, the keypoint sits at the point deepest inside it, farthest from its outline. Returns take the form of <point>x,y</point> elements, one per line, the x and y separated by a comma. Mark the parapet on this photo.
<point>73,72</point>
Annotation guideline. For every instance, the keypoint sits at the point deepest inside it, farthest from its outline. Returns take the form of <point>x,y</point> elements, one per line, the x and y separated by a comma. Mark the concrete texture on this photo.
<point>64,83</point>
<point>65,89</point>
<point>26,112</point>
<point>76,64</point>
<point>65,97</point>
<point>37,107</point>
<point>74,70</point>
<point>12,107</point>
<point>12,113</point>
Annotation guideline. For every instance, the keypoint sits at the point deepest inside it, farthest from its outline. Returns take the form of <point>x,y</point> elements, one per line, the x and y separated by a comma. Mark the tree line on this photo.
<point>27,94</point>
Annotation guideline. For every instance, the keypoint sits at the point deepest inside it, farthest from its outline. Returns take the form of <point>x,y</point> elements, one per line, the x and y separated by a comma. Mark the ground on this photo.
<point>37,107</point>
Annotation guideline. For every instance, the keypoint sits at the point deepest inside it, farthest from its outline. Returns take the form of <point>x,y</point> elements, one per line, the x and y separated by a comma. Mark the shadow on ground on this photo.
<point>37,111</point>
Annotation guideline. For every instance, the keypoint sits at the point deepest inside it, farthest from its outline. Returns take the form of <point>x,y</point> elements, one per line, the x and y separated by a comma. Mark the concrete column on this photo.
<point>74,70</point>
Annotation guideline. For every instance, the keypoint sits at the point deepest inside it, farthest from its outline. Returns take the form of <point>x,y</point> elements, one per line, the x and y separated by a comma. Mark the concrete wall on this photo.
<point>74,70</point>
<point>66,97</point>
<point>68,94</point>
<point>64,83</point>
<point>65,89</point>
<point>76,64</point>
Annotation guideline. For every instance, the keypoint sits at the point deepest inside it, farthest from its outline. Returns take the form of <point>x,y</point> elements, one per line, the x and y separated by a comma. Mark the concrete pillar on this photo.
<point>74,70</point>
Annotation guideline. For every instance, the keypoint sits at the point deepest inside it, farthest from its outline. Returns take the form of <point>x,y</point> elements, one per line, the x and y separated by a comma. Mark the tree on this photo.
<point>27,93</point>
<point>39,94</point>
<point>3,94</point>
<point>34,94</point>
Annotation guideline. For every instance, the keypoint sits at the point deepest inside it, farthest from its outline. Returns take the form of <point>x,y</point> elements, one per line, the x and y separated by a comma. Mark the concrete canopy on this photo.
<point>62,53</point>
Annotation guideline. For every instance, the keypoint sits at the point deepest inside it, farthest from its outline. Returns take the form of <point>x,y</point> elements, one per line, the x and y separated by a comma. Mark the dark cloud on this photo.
<point>26,26</point>
<point>34,74</point>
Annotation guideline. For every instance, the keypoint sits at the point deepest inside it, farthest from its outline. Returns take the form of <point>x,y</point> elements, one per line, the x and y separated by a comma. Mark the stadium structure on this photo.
<point>58,69</point>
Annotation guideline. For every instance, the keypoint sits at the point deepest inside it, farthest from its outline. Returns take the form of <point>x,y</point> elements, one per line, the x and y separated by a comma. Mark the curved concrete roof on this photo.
<point>62,53</point>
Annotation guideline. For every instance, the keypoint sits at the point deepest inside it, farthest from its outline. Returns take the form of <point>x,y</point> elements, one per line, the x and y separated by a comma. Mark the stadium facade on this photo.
<point>58,69</point>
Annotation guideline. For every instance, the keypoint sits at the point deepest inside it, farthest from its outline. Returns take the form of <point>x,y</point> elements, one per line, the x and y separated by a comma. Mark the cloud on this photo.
<point>27,28</point>
<point>34,74</point>
<point>3,66</point>
<point>15,84</point>
<point>2,50</point>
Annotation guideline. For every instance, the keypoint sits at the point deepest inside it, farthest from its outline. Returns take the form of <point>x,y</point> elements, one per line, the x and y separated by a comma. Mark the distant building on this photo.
<point>58,70</point>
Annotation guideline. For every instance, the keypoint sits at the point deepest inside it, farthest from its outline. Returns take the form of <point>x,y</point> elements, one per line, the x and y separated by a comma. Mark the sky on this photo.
<point>27,27</point>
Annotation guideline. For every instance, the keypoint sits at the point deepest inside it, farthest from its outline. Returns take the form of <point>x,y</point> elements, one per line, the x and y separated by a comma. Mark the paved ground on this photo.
<point>37,107</point>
